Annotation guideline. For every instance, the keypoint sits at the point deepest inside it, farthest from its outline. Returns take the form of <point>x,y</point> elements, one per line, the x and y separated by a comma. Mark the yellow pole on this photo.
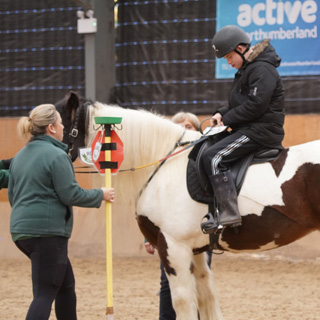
<point>106,122</point>
<point>109,311</point>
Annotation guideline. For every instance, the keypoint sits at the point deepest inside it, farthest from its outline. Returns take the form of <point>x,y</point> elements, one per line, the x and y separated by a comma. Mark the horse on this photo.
<point>279,200</point>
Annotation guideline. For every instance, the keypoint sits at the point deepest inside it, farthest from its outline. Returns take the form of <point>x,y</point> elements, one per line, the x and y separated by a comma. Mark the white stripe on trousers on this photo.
<point>226,151</point>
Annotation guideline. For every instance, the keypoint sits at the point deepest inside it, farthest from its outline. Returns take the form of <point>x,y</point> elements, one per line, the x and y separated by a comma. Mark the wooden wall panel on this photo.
<point>88,238</point>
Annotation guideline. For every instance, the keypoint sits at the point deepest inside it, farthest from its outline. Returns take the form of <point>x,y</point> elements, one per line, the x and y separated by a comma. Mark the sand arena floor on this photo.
<point>251,287</point>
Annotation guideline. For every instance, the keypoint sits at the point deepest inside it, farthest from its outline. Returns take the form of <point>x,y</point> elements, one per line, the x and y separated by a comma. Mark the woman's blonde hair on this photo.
<point>37,122</point>
<point>182,116</point>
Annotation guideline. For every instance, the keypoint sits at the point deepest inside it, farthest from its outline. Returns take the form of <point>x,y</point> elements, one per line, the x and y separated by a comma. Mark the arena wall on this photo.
<point>88,238</point>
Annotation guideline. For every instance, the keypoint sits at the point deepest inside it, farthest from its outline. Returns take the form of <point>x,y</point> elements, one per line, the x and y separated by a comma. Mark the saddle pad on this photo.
<point>195,189</point>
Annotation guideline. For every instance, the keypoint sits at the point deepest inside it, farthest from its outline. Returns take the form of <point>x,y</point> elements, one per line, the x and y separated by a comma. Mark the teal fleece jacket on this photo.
<point>42,190</point>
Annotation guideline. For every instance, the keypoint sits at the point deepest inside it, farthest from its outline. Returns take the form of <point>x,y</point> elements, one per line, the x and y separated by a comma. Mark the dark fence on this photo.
<point>164,59</point>
<point>166,63</point>
<point>41,54</point>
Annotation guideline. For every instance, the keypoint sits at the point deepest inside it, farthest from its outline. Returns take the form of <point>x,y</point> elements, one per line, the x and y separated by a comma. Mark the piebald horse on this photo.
<point>279,200</point>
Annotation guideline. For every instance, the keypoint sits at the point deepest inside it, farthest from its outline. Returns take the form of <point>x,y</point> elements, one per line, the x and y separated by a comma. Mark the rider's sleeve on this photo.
<point>223,110</point>
<point>261,84</point>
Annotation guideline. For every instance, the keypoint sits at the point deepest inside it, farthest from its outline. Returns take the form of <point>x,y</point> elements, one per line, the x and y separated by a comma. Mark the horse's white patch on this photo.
<point>262,187</point>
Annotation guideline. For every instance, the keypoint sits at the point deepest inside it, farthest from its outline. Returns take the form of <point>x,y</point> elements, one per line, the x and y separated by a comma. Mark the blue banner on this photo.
<point>291,25</point>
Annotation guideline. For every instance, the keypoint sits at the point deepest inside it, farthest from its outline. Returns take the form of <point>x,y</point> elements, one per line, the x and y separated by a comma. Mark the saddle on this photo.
<point>198,183</point>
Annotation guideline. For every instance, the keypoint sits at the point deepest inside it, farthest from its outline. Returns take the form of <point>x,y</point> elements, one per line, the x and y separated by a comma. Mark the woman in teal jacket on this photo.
<point>42,190</point>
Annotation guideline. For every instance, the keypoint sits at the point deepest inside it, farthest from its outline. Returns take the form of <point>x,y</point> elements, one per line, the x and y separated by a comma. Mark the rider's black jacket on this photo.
<point>256,100</point>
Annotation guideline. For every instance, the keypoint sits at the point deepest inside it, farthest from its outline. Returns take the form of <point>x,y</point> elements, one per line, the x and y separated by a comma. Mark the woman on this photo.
<point>255,113</point>
<point>187,120</point>
<point>42,190</point>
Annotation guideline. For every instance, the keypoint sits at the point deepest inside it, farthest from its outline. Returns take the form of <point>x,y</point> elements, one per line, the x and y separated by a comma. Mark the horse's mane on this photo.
<point>144,130</point>
<point>147,136</point>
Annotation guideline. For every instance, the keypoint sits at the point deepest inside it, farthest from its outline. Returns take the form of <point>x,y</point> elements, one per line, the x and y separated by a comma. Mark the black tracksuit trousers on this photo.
<point>52,278</point>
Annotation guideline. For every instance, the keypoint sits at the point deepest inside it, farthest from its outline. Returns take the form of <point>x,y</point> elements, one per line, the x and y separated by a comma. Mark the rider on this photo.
<point>255,113</point>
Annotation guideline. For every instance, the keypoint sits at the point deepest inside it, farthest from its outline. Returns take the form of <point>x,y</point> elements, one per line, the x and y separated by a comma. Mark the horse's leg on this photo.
<point>177,261</point>
<point>207,298</point>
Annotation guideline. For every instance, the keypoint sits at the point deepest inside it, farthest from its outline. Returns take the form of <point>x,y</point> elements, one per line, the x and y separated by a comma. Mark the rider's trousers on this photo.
<point>222,154</point>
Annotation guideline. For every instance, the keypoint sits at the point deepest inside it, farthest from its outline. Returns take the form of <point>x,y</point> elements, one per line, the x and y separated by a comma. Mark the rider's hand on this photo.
<point>216,120</point>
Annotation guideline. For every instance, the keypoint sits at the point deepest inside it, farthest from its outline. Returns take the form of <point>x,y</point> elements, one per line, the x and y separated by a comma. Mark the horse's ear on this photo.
<point>73,101</point>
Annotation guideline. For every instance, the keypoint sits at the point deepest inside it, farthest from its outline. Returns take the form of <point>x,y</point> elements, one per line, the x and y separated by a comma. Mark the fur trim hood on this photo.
<point>264,51</point>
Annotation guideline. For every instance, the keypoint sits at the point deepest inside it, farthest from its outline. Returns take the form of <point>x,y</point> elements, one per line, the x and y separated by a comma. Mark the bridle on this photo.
<point>74,131</point>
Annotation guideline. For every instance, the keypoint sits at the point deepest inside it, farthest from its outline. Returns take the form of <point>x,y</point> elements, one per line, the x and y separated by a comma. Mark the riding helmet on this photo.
<point>227,39</point>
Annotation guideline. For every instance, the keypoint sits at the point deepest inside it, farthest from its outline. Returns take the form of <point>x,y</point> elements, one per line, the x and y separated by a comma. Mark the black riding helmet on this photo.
<point>227,39</point>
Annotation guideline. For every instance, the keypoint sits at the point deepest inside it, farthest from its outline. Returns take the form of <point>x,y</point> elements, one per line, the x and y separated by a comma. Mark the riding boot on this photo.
<point>226,195</point>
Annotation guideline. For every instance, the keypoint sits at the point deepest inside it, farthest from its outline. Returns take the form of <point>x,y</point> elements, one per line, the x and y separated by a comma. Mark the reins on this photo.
<point>188,144</point>
<point>161,161</point>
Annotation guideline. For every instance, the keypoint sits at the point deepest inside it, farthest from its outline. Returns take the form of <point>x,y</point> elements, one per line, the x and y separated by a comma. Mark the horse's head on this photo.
<point>73,111</point>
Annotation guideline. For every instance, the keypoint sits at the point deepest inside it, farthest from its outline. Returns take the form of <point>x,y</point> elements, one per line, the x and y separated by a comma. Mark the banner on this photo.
<point>291,25</point>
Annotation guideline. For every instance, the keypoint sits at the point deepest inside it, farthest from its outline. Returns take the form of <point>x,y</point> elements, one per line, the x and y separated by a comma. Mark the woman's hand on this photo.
<point>108,194</point>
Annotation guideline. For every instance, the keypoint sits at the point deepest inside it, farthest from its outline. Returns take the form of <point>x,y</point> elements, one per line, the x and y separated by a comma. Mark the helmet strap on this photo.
<point>241,54</point>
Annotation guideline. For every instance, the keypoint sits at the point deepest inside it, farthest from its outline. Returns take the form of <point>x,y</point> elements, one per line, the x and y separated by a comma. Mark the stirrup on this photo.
<point>211,225</point>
